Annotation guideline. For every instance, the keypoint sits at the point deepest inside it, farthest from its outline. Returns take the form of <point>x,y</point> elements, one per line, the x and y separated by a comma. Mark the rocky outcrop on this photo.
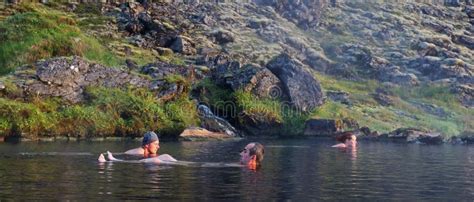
<point>322,127</point>
<point>67,78</point>
<point>305,14</point>
<point>303,90</point>
<point>214,123</point>
<point>416,135</point>
<point>437,68</point>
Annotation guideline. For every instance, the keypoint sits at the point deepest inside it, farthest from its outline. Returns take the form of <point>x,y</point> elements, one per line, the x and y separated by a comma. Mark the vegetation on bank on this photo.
<point>448,116</point>
<point>36,32</point>
<point>106,112</point>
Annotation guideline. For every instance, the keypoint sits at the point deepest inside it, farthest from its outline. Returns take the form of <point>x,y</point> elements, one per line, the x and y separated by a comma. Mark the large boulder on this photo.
<point>322,127</point>
<point>214,123</point>
<point>303,90</point>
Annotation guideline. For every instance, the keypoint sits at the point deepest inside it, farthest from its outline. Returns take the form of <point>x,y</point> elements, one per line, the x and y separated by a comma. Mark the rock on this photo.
<point>322,127</point>
<point>469,11</point>
<point>303,90</point>
<point>160,70</point>
<point>394,75</point>
<point>467,137</point>
<point>436,68</point>
<point>427,49</point>
<point>349,124</point>
<point>2,86</point>
<point>453,3</point>
<point>214,123</point>
<point>197,133</point>
<point>258,24</point>
<point>382,97</point>
<point>438,27</point>
<point>164,51</point>
<point>465,94</point>
<point>251,78</point>
<point>305,14</point>
<point>260,123</point>
<point>223,37</point>
<point>183,45</point>
<point>464,40</point>
<point>432,109</point>
<point>67,78</point>
<point>131,65</point>
<point>339,96</point>
<point>416,135</point>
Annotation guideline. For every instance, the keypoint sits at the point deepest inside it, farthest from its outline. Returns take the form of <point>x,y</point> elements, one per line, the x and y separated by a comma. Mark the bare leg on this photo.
<point>167,157</point>
<point>112,158</point>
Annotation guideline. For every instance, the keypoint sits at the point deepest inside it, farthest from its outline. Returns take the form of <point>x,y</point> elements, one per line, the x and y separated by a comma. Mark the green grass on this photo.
<point>403,113</point>
<point>37,32</point>
<point>266,110</point>
<point>106,112</point>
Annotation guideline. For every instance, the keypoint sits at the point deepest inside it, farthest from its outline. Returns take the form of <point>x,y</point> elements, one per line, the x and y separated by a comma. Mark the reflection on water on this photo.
<point>292,169</point>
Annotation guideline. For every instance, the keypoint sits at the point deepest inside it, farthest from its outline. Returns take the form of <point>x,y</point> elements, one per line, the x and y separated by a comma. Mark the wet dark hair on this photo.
<point>342,137</point>
<point>258,151</point>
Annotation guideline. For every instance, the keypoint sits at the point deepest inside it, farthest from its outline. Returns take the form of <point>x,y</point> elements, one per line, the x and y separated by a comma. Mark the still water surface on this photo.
<point>298,169</point>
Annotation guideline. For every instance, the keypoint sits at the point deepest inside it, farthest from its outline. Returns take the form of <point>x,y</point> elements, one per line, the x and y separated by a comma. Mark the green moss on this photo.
<point>213,95</point>
<point>268,110</point>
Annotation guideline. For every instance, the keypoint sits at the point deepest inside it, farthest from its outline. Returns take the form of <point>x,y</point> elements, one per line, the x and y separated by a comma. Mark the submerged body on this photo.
<point>164,158</point>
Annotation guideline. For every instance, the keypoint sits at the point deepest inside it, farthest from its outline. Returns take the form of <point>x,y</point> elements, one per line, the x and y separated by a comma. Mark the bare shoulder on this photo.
<point>136,151</point>
<point>340,145</point>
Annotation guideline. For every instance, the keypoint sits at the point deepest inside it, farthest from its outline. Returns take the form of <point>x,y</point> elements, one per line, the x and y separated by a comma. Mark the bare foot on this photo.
<point>101,158</point>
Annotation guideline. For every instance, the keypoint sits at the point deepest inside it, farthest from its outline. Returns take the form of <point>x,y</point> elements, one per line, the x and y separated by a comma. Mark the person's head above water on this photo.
<point>149,137</point>
<point>150,143</point>
<point>252,154</point>
<point>348,138</point>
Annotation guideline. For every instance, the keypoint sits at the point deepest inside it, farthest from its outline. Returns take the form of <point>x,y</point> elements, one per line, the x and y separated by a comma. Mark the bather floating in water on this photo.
<point>149,150</point>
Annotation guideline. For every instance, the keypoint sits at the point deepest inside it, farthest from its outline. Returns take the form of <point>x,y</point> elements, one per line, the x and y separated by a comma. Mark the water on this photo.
<point>298,169</point>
